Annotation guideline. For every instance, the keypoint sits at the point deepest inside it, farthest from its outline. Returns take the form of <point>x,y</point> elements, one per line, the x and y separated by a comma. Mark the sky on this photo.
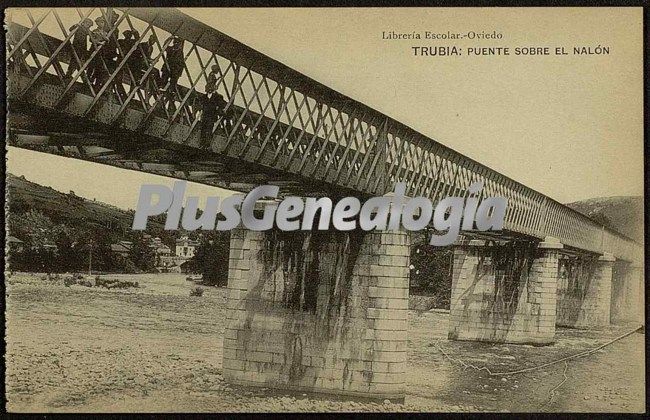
<point>569,126</point>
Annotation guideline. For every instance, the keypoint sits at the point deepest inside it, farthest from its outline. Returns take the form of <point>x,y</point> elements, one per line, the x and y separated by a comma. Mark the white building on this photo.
<point>185,247</point>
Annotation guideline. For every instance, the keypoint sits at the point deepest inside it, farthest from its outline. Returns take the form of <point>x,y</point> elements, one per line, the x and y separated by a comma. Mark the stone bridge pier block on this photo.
<point>596,305</point>
<point>627,303</point>
<point>585,300</point>
<point>640,300</point>
<point>597,302</point>
<point>488,306</point>
<point>638,282</point>
<point>318,311</point>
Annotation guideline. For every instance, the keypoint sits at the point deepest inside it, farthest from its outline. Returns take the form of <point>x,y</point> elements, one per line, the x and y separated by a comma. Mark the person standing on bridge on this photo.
<point>79,45</point>
<point>112,17</point>
<point>173,66</point>
<point>172,69</point>
<point>113,31</point>
<point>96,68</point>
<point>126,43</point>
<point>213,108</point>
<point>211,83</point>
<point>104,59</point>
<point>225,114</point>
<point>108,53</point>
<point>142,61</point>
<point>209,116</point>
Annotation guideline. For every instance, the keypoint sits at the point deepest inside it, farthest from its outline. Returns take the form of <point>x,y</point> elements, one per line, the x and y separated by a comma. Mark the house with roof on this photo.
<point>185,247</point>
<point>122,248</point>
<point>159,248</point>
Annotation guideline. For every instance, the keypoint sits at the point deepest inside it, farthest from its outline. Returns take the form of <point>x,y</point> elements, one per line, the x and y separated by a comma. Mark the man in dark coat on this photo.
<point>213,108</point>
<point>79,45</point>
<point>174,64</point>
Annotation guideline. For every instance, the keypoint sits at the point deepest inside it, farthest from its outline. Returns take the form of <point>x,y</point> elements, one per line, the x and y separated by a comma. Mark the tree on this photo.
<point>431,269</point>
<point>34,259</point>
<point>142,255</point>
<point>121,264</point>
<point>39,234</point>
<point>211,258</point>
<point>70,255</point>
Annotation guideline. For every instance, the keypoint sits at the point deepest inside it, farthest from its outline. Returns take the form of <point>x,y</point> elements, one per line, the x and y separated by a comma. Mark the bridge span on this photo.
<point>157,91</point>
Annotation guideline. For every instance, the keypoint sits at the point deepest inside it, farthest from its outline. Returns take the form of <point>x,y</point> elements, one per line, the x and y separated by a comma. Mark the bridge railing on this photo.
<point>270,114</point>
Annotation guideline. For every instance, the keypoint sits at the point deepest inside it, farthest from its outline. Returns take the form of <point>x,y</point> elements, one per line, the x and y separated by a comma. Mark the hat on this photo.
<point>131,33</point>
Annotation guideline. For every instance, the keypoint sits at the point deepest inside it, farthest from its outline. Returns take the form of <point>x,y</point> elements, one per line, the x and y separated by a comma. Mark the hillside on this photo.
<point>66,208</point>
<point>622,213</point>
<point>58,232</point>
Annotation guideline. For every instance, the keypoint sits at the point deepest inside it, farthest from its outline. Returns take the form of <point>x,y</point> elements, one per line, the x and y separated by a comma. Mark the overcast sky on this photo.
<point>569,126</point>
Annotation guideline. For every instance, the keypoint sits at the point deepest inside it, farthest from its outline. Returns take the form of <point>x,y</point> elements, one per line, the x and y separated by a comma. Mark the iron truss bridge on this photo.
<point>129,87</point>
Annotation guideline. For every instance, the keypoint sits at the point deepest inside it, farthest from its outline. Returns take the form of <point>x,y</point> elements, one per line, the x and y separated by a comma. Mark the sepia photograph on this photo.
<point>324,209</point>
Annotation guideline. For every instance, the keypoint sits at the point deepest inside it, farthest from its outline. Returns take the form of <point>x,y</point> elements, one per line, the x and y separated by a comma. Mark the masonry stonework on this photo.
<point>318,311</point>
<point>627,293</point>
<point>504,294</point>
<point>584,292</point>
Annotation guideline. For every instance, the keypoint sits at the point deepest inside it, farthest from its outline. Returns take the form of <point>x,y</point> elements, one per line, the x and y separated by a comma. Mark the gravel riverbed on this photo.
<point>156,349</point>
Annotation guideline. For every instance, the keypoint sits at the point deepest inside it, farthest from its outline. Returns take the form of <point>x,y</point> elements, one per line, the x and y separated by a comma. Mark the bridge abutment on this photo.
<point>584,292</point>
<point>504,293</point>
<point>318,311</point>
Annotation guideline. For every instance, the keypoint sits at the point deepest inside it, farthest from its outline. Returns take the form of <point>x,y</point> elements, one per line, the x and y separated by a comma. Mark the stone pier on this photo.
<point>627,293</point>
<point>504,293</point>
<point>584,291</point>
<point>318,311</point>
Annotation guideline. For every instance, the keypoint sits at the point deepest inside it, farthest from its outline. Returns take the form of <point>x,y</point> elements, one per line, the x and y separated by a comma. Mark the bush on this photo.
<point>76,279</point>
<point>115,283</point>
<point>49,277</point>
<point>197,291</point>
<point>424,303</point>
<point>430,275</point>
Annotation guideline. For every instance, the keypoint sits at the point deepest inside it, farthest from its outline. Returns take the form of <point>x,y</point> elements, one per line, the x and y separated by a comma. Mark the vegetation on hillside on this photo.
<point>67,233</point>
<point>623,214</point>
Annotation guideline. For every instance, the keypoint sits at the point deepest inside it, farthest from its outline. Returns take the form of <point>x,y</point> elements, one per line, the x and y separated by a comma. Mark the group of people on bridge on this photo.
<point>108,50</point>
<point>109,62</point>
<point>139,71</point>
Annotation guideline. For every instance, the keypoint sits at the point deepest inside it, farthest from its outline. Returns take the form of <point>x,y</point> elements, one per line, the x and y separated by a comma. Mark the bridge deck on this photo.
<point>278,125</point>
